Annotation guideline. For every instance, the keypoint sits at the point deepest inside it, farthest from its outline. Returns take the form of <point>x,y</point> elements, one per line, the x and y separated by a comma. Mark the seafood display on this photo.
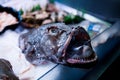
<point>50,14</point>
<point>37,16</point>
<point>45,37</point>
<point>6,72</point>
<point>58,43</point>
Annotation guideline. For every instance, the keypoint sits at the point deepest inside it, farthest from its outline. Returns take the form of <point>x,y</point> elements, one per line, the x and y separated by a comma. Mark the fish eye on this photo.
<point>53,31</point>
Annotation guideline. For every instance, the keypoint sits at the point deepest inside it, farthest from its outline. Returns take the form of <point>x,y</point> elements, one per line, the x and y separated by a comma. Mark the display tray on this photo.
<point>50,71</point>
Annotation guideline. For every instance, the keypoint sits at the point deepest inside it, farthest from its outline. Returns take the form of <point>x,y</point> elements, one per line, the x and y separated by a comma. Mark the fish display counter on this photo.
<point>55,40</point>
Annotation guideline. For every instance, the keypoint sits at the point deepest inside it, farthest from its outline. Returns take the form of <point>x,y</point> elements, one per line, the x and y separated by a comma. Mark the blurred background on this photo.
<point>108,10</point>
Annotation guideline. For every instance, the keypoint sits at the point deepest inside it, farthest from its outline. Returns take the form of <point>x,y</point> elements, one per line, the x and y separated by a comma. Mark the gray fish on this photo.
<point>58,43</point>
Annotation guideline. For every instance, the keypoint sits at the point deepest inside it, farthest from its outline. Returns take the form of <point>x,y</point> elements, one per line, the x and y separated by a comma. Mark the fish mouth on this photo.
<point>85,60</point>
<point>78,49</point>
<point>81,55</point>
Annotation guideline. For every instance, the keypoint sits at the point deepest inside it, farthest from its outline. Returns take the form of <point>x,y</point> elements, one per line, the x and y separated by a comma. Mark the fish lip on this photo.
<point>82,61</point>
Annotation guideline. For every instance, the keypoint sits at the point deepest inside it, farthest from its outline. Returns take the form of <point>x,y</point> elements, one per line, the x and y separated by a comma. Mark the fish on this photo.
<point>58,43</point>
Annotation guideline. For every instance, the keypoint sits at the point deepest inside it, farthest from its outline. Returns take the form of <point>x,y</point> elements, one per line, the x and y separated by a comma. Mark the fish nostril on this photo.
<point>23,51</point>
